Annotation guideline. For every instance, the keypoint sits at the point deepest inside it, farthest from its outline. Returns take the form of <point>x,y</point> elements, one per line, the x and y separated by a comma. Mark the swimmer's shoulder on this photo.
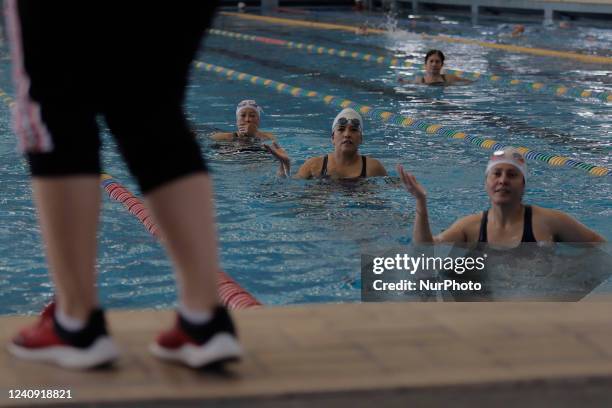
<point>545,221</point>
<point>548,217</point>
<point>375,168</point>
<point>470,225</point>
<point>311,167</point>
<point>314,163</point>
<point>465,229</point>
<point>555,225</point>
<point>541,214</point>
<point>451,78</point>
<point>469,220</point>
<point>221,136</point>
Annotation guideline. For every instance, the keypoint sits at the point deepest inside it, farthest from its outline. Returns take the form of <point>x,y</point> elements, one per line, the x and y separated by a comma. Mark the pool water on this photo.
<point>295,241</point>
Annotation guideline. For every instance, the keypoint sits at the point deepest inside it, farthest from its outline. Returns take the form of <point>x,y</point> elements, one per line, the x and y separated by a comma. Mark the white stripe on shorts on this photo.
<point>32,134</point>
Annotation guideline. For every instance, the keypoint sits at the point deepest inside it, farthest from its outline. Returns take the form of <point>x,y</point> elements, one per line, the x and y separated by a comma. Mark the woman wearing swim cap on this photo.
<point>344,162</point>
<point>434,62</point>
<point>508,221</point>
<point>248,116</point>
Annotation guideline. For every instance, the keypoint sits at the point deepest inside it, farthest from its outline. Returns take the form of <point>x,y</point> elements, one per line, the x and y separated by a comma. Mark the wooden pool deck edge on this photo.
<point>388,353</point>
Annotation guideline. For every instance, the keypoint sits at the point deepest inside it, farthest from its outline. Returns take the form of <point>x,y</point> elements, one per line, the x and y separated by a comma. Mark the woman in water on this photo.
<point>434,62</point>
<point>248,116</point>
<point>508,221</point>
<point>344,162</point>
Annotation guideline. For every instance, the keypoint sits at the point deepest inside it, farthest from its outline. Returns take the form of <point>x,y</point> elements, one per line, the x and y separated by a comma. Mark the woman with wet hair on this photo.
<point>434,62</point>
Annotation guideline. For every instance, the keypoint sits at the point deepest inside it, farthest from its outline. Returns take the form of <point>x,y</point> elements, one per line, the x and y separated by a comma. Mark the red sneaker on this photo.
<point>199,346</point>
<point>46,341</point>
<point>48,311</point>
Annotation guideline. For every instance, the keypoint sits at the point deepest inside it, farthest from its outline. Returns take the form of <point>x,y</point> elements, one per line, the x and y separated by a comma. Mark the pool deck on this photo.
<point>393,354</point>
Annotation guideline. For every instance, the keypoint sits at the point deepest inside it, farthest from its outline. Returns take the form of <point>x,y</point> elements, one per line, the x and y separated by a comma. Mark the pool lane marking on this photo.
<point>7,99</point>
<point>553,160</point>
<point>504,47</point>
<point>379,114</point>
<point>232,295</point>
<point>507,123</point>
<point>538,87</point>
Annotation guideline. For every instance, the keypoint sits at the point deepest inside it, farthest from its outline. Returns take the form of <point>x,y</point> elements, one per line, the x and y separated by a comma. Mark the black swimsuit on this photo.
<point>527,226</point>
<point>248,144</point>
<point>244,139</point>
<point>236,138</point>
<point>363,167</point>
<point>435,83</point>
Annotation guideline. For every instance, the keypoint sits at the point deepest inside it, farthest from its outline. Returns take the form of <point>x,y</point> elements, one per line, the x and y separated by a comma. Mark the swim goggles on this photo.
<point>503,154</point>
<point>508,156</point>
<point>356,123</point>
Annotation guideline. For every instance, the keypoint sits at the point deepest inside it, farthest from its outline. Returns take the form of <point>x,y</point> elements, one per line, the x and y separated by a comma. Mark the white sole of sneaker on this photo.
<point>102,351</point>
<point>221,347</point>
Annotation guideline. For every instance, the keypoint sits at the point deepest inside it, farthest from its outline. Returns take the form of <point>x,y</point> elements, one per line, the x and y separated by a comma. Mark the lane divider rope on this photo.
<point>231,294</point>
<point>540,87</point>
<point>504,47</point>
<point>381,115</point>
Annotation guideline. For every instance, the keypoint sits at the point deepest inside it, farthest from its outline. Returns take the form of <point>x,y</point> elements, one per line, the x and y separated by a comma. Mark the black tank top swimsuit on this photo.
<point>527,227</point>
<point>363,167</point>
<point>435,83</point>
<point>250,144</point>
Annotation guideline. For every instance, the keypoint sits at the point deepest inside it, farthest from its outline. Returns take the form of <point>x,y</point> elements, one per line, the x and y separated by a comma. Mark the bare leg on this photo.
<point>184,211</point>
<point>68,209</point>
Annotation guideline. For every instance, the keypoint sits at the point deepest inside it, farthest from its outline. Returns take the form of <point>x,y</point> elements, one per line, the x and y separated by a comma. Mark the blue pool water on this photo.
<point>289,241</point>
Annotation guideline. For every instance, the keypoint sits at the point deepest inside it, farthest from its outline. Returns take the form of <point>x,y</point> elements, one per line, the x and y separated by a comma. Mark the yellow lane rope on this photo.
<point>540,87</point>
<point>381,115</point>
<point>505,47</point>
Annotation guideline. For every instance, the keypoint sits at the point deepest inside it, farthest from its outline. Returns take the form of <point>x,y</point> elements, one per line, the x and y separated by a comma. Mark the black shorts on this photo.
<point>126,60</point>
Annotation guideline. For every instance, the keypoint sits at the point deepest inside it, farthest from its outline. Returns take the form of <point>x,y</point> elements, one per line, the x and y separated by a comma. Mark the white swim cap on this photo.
<point>249,103</point>
<point>509,155</point>
<point>349,115</point>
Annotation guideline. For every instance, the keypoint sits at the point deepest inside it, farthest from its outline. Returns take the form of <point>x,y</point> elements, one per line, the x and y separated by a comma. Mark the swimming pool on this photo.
<point>290,241</point>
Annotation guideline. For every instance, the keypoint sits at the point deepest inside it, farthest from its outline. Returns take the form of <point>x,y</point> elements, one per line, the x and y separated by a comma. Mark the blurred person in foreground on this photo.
<point>69,67</point>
